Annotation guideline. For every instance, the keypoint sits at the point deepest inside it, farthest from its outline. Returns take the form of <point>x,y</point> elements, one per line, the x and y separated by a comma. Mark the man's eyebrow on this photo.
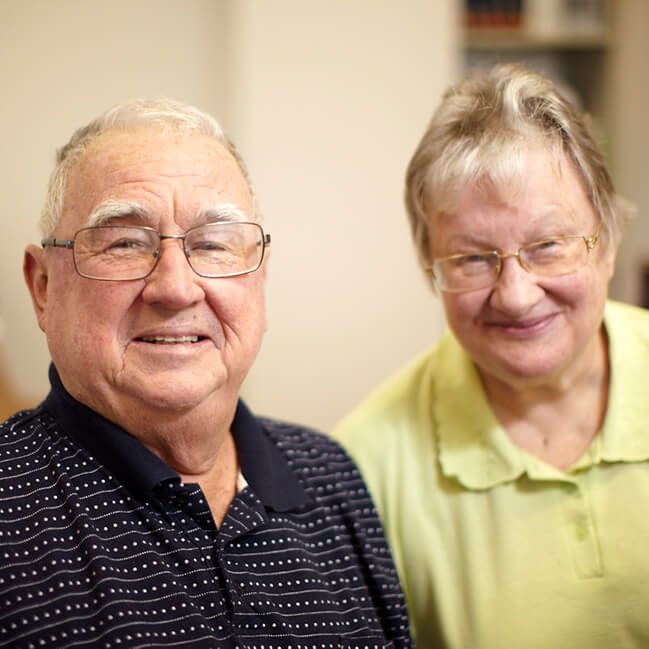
<point>222,212</point>
<point>112,209</point>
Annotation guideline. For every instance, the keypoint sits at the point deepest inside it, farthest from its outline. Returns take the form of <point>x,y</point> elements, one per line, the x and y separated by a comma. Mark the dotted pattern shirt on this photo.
<point>102,545</point>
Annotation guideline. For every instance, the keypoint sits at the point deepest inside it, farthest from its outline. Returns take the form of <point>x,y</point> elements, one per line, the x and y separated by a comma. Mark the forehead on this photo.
<point>502,211</point>
<point>165,172</point>
<point>541,182</point>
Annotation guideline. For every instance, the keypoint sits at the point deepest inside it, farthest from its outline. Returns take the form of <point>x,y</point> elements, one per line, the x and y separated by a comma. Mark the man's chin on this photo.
<point>171,391</point>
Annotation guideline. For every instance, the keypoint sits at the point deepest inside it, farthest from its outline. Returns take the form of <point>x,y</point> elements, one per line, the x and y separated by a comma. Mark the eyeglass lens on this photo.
<point>212,250</point>
<point>546,259</point>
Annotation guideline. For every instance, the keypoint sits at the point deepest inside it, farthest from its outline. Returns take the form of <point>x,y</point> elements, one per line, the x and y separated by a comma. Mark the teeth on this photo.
<point>165,340</point>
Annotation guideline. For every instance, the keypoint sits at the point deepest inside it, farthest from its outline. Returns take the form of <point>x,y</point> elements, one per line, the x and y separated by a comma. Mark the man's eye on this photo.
<point>126,245</point>
<point>209,246</point>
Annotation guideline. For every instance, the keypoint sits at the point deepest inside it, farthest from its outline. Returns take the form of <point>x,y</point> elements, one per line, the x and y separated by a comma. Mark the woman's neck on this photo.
<point>555,419</point>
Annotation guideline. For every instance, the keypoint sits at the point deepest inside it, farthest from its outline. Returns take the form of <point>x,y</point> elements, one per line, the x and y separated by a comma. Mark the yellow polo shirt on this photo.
<point>497,549</point>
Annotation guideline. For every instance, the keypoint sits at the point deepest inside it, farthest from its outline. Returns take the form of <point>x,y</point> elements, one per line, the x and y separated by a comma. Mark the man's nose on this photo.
<point>172,281</point>
<point>516,291</point>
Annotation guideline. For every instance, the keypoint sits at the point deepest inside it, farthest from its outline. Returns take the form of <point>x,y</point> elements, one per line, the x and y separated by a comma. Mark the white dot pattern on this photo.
<point>88,561</point>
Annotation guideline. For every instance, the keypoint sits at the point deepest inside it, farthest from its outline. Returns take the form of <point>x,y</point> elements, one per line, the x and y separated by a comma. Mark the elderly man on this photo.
<point>142,504</point>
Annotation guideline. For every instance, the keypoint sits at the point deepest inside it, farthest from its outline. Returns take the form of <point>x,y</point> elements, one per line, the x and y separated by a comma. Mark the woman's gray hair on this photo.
<point>165,114</point>
<point>482,130</point>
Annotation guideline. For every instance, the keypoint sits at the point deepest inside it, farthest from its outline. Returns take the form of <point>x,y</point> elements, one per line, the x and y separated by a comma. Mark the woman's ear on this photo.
<point>36,275</point>
<point>608,259</point>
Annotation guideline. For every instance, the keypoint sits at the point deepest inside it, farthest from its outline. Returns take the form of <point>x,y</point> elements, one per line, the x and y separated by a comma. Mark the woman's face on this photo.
<point>527,330</point>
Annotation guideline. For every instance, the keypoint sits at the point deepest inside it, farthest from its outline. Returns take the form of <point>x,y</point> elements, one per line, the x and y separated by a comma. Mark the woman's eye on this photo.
<point>470,264</point>
<point>550,247</point>
<point>475,259</point>
<point>546,245</point>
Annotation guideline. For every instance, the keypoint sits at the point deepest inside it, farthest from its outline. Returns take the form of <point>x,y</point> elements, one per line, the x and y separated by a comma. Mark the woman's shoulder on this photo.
<point>393,395</point>
<point>621,318</point>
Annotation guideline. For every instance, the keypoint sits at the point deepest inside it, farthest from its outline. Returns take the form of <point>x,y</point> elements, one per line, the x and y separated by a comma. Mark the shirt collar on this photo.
<point>476,451</point>
<point>473,447</point>
<point>263,465</point>
<point>624,432</point>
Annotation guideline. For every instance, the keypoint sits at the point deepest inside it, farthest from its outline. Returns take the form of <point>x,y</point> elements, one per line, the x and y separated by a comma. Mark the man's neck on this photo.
<point>199,446</point>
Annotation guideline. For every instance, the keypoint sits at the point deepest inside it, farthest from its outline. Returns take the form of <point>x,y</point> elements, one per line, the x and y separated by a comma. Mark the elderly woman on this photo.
<point>510,462</point>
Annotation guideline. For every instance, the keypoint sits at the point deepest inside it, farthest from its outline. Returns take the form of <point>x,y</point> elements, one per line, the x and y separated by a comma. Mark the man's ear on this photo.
<point>36,275</point>
<point>264,263</point>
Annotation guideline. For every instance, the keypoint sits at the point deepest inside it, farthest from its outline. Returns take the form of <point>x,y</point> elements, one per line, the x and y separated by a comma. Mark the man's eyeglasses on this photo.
<point>122,253</point>
<point>547,258</point>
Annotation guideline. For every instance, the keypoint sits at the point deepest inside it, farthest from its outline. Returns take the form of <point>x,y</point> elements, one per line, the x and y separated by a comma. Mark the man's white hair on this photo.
<point>168,115</point>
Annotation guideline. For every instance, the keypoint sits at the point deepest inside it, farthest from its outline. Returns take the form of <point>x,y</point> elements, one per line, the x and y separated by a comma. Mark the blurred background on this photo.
<point>326,101</point>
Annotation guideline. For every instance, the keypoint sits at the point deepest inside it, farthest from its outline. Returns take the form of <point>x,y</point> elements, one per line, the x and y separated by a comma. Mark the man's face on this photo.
<point>123,348</point>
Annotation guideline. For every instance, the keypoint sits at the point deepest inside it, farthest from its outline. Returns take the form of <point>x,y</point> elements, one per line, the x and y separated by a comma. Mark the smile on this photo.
<point>524,328</point>
<point>171,340</point>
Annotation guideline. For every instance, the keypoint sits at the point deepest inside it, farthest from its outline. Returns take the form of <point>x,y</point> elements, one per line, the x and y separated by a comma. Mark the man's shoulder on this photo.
<point>26,438</point>
<point>302,443</point>
<point>22,423</point>
<point>318,460</point>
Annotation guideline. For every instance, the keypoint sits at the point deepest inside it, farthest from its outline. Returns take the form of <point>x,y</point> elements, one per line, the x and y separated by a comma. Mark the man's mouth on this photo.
<point>171,340</point>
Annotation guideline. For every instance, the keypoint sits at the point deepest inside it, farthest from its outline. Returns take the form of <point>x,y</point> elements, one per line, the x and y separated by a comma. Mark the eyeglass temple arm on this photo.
<point>57,243</point>
<point>591,242</point>
<point>68,243</point>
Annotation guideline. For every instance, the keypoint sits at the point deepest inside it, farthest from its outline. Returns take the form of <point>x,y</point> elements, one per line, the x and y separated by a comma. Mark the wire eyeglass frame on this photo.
<point>491,275</point>
<point>153,246</point>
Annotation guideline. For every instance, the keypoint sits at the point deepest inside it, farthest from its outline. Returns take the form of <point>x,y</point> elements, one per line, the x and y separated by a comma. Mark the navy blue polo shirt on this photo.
<point>102,545</point>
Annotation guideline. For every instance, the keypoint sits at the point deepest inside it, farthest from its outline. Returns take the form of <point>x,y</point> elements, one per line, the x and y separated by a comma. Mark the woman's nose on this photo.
<point>516,291</point>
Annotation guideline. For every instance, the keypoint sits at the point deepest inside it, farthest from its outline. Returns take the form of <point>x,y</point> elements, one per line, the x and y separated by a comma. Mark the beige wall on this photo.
<point>628,105</point>
<point>330,105</point>
<point>325,100</point>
